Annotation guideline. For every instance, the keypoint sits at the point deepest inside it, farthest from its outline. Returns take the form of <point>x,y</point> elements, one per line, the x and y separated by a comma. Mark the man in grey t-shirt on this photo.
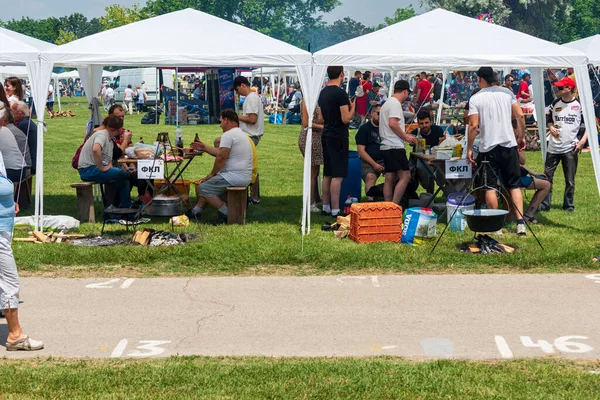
<point>233,166</point>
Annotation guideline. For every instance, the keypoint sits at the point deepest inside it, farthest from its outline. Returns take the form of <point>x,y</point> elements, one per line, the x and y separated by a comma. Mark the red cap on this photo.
<point>566,81</point>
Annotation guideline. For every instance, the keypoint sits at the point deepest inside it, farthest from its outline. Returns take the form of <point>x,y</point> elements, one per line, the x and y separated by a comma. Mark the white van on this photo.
<point>146,78</point>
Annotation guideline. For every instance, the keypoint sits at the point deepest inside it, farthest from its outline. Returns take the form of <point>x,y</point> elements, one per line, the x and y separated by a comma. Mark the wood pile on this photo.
<point>49,237</point>
<point>67,113</point>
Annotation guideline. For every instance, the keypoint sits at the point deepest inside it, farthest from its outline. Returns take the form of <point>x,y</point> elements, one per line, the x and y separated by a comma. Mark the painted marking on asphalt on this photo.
<point>375,281</point>
<point>102,285</point>
<point>109,284</point>
<point>388,347</point>
<point>120,349</point>
<point>343,279</point>
<point>437,347</point>
<point>152,348</point>
<point>594,277</point>
<point>503,348</point>
<point>127,284</point>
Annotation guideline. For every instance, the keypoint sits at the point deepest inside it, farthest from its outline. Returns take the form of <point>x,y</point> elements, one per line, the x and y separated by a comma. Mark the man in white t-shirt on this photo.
<point>564,122</point>
<point>232,167</point>
<point>252,120</point>
<point>128,99</point>
<point>393,135</point>
<point>491,111</point>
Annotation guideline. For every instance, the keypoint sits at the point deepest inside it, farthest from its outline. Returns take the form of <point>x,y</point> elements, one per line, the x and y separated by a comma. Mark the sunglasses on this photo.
<point>561,87</point>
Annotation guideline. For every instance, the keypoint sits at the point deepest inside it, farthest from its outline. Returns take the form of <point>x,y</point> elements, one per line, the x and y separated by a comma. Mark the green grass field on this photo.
<point>267,378</point>
<point>271,242</point>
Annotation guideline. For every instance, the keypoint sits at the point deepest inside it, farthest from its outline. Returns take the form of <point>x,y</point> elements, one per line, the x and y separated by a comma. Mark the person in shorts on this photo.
<point>393,135</point>
<point>491,111</point>
<point>368,146</point>
<point>337,110</point>
<point>232,167</point>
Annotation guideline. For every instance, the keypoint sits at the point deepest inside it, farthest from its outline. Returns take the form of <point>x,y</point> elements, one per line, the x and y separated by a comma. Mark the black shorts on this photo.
<point>335,156</point>
<point>504,161</point>
<point>395,160</point>
<point>50,105</point>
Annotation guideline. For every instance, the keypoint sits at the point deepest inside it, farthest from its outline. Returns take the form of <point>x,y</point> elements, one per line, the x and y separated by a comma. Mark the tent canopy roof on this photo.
<point>212,42</point>
<point>441,38</point>
<point>16,48</point>
<point>590,46</point>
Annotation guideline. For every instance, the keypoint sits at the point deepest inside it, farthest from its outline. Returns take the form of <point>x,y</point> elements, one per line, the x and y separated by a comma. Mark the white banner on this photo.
<point>459,169</point>
<point>151,169</point>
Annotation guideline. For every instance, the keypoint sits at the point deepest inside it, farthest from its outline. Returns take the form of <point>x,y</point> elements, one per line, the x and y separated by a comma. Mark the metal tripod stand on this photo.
<point>485,164</point>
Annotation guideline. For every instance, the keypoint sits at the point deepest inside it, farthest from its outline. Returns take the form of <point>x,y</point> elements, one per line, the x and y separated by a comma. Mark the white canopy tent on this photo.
<point>17,71</point>
<point>417,45</point>
<point>17,49</point>
<point>216,43</point>
<point>590,46</point>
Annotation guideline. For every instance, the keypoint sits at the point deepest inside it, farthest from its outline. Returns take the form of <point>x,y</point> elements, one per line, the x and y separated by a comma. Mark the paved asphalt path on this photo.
<point>430,316</point>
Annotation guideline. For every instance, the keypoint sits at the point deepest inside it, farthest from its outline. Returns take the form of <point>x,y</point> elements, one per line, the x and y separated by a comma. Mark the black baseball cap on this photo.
<point>376,84</point>
<point>401,85</point>
<point>239,80</point>
<point>487,74</point>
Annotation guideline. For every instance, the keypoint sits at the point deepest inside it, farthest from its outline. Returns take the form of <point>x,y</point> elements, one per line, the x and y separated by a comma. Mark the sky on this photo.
<point>370,15</point>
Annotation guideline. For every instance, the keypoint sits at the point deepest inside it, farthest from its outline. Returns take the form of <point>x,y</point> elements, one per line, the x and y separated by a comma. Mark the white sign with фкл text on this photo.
<point>459,169</point>
<point>151,169</point>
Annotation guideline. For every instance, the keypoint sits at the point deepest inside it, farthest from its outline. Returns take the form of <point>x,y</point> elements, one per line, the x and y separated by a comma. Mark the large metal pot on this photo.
<point>165,207</point>
<point>488,220</point>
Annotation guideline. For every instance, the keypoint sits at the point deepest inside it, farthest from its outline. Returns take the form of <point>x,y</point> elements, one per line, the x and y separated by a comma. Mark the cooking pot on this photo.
<point>165,207</point>
<point>487,220</point>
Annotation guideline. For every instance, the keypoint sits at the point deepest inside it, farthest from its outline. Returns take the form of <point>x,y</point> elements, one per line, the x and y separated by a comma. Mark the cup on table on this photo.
<point>427,149</point>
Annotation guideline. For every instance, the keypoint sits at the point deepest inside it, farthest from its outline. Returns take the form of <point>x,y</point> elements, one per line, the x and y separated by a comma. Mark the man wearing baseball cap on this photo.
<point>491,111</point>
<point>252,120</point>
<point>393,135</point>
<point>564,121</point>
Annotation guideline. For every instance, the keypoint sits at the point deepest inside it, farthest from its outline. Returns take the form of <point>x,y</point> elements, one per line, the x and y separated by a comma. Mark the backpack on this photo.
<point>360,91</point>
<point>89,131</point>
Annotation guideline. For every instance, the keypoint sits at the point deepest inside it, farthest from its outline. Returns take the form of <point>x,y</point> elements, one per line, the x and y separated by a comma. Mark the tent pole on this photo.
<point>177,94</point>
<point>537,76</point>
<point>277,96</point>
<point>156,97</point>
<point>57,94</point>
<point>392,83</point>
<point>438,118</point>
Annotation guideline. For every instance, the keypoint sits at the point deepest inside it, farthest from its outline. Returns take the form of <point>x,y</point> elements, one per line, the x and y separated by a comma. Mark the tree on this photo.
<point>117,15</point>
<point>346,29</point>
<point>583,21</point>
<point>64,37</point>
<point>400,15</point>
<point>43,29</point>
<point>535,17</point>
<point>287,20</point>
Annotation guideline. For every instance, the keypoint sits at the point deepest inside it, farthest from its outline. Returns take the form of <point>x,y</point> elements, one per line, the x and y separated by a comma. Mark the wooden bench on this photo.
<point>237,201</point>
<point>85,201</point>
<point>23,192</point>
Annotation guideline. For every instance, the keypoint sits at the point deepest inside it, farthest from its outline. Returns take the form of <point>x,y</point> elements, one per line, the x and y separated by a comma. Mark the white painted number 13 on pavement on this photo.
<point>151,348</point>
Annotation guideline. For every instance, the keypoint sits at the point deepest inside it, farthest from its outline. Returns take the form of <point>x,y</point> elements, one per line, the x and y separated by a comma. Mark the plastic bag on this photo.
<point>180,220</point>
<point>54,222</point>
<point>449,142</point>
<point>419,226</point>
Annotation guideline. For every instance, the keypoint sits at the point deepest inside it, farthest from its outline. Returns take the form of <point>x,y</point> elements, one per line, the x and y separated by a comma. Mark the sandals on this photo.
<point>531,220</point>
<point>25,344</point>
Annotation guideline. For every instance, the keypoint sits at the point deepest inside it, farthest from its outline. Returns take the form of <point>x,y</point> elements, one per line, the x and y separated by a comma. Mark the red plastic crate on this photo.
<point>375,222</point>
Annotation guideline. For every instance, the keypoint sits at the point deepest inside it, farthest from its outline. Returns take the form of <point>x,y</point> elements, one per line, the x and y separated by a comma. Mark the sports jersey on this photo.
<point>567,116</point>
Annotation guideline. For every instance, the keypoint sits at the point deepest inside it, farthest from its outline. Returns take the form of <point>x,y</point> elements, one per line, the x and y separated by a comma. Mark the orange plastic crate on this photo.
<point>375,222</point>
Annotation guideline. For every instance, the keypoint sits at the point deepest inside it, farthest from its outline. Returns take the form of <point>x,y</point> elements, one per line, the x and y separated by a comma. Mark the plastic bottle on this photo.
<point>347,205</point>
<point>179,140</point>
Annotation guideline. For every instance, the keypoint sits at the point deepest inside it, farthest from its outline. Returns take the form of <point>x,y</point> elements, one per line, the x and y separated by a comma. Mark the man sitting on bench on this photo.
<point>95,161</point>
<point>232,167</point>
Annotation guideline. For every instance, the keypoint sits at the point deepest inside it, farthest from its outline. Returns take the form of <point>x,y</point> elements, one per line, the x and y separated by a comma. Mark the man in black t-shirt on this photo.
<point>433,135</point>
<point>337,111</point>
<point>368,145</point>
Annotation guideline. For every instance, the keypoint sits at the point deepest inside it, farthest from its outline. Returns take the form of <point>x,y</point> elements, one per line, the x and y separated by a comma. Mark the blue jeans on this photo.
<point>115,176</point>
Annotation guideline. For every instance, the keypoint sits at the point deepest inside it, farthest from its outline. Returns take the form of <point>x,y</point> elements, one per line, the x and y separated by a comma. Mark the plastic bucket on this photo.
<point>462,202</point>
<point>352,184</point>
